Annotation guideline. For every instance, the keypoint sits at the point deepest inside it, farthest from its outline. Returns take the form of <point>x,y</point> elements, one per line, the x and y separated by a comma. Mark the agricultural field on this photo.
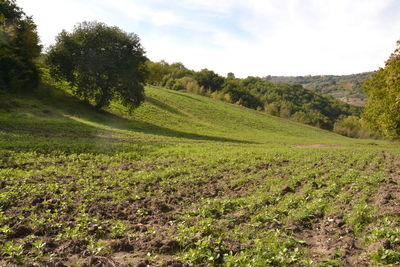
<point>186,180</point>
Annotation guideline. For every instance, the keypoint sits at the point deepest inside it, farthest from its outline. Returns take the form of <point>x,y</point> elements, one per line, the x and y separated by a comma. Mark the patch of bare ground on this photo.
<point>387,196</point>
<point>319,146</point>
<point>122,260</point>
<point>354,101</point>
<point>328,237</point>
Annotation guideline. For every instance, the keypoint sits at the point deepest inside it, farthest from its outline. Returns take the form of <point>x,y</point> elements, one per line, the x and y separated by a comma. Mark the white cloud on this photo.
<point>53,16</point>
<point>247,37</point>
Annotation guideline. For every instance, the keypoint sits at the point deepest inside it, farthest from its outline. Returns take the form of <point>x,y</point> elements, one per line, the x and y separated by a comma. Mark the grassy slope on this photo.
<point>166,115</point>
<point>190,178</point>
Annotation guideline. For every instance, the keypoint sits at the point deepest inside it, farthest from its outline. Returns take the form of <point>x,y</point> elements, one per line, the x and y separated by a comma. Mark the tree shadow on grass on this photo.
<point>111,120</point>
<point>164,106</point>
<point>73,107</point>
<point>186,96</point>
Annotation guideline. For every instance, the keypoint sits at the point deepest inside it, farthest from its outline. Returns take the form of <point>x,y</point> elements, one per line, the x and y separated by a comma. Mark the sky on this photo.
<point>246,37</point>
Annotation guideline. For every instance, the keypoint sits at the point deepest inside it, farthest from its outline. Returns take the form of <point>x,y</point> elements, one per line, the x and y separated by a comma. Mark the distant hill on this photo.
<point>344,87</point>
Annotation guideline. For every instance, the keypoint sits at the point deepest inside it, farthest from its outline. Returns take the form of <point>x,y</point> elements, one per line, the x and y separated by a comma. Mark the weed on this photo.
<point>203,181</point>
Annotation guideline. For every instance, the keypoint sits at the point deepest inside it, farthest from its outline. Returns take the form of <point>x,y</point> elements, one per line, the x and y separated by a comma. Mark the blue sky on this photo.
<point>246,37</point>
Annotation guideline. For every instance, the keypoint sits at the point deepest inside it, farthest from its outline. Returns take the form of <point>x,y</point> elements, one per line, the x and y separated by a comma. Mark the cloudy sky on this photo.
<point>246,37</point>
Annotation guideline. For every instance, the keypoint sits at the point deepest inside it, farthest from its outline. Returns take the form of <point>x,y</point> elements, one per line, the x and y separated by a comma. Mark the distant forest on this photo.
<point>342,87</point>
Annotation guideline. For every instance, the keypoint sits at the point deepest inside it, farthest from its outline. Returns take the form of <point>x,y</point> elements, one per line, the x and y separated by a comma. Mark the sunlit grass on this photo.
<point>212,183</point>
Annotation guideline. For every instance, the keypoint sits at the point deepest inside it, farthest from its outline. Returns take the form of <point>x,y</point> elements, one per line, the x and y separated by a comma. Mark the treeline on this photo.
<point>283,100</point>
<point>381,112</point>
<point>334,85</point>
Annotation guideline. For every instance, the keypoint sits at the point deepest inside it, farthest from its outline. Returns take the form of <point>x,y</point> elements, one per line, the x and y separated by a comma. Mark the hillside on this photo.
<point>345,87</point>
<point>290,101</point>
<point>188,179</point>
<point>166,115</point>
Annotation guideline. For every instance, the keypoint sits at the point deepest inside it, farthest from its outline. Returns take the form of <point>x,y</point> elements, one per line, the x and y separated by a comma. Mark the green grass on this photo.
<point>192,179</point>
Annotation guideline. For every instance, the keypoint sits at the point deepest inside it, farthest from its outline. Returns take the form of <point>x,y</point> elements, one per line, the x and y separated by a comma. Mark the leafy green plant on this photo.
<point>117,229</point>
<point>360,217</point>
<point>385,256</point>
<point>206,250</point>
<point>13,251</point>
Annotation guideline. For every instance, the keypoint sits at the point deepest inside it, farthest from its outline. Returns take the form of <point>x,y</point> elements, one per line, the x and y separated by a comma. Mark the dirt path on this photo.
<point>320,146</point>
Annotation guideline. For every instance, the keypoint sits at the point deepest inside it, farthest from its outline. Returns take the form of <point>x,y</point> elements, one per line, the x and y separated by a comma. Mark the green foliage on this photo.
<point>293,101</point>
<point>209,80</point>
<point>156,72</point>
<point>388,238</point>
<point>12,251</point>
<point>101,62</point>
<point>189,84</point>
<point>381,110</point>
<point>164,74</point>
<point>360,216</point>
<point>19,49</point>
<point>235,92</point>
<point>385,256</point>
<point>272,109</point>
<point>5,200</point>
<point>206,250</point>
<point>354,127</point>
<point>349,126</point>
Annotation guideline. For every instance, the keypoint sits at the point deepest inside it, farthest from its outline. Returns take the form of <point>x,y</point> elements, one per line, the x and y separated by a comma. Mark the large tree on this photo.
<point>101,62</point>
<point>19,49</point>
<point>209,80</point>
<point>382,111</point>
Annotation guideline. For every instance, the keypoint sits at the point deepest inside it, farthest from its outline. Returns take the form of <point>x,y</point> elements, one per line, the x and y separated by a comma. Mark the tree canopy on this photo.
<point>382,111</point>
<point>209,80</point>
<point>19,49</point>
<point>101,62</point>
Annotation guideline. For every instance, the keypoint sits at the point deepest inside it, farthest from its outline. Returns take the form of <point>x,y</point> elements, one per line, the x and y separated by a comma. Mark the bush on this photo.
<point>19,49</point>
<point>354,127</point>
<point>272,109</point>
<point>381,112</point>
<point>189,84</point>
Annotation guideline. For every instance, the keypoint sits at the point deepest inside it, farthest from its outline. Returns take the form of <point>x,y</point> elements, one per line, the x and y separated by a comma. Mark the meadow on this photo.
<point>188,180</point>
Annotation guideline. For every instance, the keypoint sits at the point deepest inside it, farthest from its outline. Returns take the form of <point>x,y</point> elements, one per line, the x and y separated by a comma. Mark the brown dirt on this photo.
<point>72,247</point>
<point>20,231</point>
<point>327,234</point>
<point>320,146</point>
<point>97,261</point>
<point>387,197</point>
<point>354,101</point>
<point>121,245</point>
